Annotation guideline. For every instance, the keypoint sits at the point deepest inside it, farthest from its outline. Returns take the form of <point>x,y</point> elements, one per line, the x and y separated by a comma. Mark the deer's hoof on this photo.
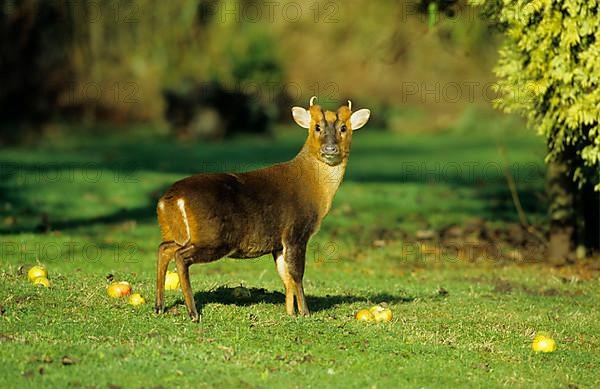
<point>194,316</point>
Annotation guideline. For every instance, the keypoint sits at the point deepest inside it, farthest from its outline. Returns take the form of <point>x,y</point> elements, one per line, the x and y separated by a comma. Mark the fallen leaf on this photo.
<point>23,269</point>
<point>28,374</point>
<point>5,338</point>
<point>67,361</point>
<point>379,243</point>
<point>425,234</point>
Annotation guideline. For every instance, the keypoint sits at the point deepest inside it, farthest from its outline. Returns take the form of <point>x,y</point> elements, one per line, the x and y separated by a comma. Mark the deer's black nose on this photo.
<point>330,149</point>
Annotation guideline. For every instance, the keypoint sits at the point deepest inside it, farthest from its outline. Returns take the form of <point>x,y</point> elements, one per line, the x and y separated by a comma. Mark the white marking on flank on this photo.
<point>181,205</point>
<point>281,267</point>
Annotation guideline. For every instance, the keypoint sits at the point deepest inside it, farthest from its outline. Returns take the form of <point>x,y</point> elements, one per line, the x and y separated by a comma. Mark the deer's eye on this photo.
<point>343,128</point>
<point>317,128</point>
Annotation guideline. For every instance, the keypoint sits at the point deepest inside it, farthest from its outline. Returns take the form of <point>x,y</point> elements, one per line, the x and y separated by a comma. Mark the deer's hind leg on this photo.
<point>166,253</point>
<point>185,257</point>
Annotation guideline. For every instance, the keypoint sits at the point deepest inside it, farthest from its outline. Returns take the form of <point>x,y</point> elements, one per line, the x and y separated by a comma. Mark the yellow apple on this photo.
<point>119,289</point>
<point>364,315</point>
<point>136,299</point>
<point>381,314</point>
<point>544,344</point>
<point>171,280</point>
<point>36,272</point>
<point>41,281</point>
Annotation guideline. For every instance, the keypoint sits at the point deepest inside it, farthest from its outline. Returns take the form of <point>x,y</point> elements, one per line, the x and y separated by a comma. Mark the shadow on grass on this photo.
<point>252,296</point>
<point>139,214</point>
<point>377,160</point>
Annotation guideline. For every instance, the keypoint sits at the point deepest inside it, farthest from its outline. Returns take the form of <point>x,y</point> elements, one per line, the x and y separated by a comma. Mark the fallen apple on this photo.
<point>37,272</point>
<point>171,280</point>
<point>381,314</point>
<point>43,281</point>
<point>543,343</point>
<point>136,299</point>
<point>119,289</point>
<point>364,315</point>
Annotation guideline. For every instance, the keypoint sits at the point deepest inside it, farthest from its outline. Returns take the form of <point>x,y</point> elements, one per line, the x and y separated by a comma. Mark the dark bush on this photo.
<point>34,70</point>
<point>210,111</point>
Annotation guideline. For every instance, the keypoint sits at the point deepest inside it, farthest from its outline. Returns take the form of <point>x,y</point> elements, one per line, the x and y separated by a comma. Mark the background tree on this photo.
<point>549,71</point>
<point>33,65</point>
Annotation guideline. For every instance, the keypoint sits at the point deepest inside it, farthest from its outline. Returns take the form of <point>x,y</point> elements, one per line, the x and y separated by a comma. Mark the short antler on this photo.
<point>312,100</point>
<point>350,105</point>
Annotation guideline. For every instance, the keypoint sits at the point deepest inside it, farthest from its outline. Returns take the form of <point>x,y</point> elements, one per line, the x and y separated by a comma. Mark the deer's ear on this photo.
<point>301,116</point>
<point>359,118</point>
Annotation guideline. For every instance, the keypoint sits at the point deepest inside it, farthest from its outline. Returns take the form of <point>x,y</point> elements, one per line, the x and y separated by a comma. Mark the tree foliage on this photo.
<point>549,71</point>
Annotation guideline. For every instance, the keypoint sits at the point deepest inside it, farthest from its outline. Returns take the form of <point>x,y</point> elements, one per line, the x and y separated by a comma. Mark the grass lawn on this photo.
<point>85,209</point>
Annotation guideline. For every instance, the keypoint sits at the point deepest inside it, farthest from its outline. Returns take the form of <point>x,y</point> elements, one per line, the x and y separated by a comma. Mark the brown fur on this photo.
<point>273,210</point>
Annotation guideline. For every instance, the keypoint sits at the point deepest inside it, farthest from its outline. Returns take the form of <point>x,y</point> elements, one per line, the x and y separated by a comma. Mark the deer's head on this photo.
<point>330,133</point>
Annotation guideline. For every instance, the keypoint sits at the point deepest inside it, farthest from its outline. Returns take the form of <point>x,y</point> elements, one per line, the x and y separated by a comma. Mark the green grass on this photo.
<point>97,198</point>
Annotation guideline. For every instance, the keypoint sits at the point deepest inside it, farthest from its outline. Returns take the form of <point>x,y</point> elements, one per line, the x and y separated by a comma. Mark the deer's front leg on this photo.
<point>290,266</point>
<point>287,281</point>
<point>297,260</point>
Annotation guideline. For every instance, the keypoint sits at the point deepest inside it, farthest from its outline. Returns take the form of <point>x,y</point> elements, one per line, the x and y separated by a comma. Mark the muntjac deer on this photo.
<point>274,210</point>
